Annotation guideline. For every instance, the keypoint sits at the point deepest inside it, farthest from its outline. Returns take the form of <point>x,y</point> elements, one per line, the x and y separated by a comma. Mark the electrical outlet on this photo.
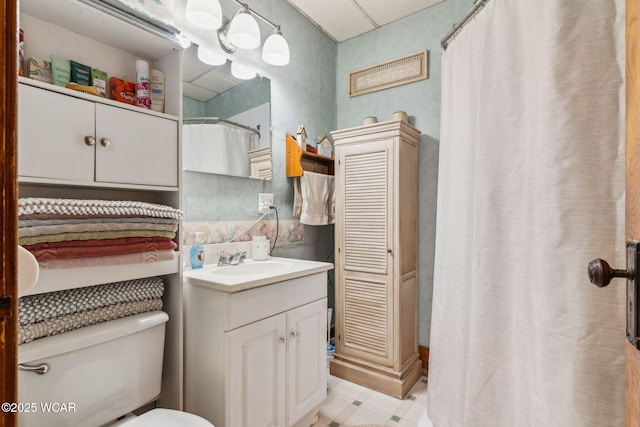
<point>265,201</point>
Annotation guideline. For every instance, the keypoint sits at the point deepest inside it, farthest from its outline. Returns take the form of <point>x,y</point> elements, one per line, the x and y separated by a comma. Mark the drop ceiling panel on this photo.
<point>217,80</point>
<point>342,19</point>
<point>196,92</point>
<point>384,12</point>
<point>192,67</point>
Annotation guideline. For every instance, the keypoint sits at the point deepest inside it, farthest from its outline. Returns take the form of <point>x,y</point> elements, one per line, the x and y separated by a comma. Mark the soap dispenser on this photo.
<point>196,255</point>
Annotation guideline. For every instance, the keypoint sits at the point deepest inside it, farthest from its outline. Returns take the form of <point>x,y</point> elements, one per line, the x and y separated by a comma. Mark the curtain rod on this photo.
<point>229,122</point>
<point>477,5</point>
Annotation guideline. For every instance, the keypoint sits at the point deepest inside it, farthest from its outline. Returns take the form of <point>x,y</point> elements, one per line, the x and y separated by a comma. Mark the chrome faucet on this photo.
<point>237,258</point>
<point>233,259</point>
<point>222,258</point>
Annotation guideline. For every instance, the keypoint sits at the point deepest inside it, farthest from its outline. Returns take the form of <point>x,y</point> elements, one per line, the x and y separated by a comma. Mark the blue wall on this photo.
<point>421,101</point>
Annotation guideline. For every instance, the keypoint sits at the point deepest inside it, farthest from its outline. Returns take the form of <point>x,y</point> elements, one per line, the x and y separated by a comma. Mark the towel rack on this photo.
<point>299,160</point>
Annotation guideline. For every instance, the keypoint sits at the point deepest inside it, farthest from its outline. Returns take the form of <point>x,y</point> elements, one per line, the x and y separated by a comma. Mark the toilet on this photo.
<point>97,375</point>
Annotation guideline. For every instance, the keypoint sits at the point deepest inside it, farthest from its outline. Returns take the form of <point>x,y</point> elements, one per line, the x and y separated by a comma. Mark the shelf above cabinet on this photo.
<point>298,160</point>
<point>88,21</point>
<point>68,278</point>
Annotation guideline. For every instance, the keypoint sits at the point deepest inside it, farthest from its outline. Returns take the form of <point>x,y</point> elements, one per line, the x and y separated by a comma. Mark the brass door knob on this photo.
<point>600,273</point>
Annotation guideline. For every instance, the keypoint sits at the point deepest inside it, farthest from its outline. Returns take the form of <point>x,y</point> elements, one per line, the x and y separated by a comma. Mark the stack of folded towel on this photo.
<point>52,313</point>
<point>71,232</point>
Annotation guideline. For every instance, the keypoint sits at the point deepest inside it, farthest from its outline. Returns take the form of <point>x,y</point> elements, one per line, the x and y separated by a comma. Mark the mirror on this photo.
<point>226,121</point>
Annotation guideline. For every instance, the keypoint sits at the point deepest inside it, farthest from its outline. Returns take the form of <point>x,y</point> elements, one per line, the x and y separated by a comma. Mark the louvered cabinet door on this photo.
<point>364,236</point>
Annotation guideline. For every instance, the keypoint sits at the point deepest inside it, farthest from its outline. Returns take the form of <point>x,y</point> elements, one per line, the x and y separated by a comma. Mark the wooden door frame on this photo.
<point>632,150</point>
<point>8,212</point>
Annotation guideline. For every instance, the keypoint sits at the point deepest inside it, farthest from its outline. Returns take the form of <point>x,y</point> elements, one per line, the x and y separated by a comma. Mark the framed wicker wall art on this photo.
<point>397,72</point>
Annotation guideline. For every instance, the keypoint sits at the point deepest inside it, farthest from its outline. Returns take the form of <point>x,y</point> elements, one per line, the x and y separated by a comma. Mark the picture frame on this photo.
<point>396,72</point>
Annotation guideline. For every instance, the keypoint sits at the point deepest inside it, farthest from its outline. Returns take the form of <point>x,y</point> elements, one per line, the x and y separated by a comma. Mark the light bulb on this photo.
<point>210,56</point>
<point>276,50</point>
<point>244,31</point>
<point>205,14</point>
<point>241,72</point>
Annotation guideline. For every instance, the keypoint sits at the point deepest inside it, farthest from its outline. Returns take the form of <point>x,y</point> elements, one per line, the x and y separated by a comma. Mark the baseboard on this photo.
<point>424,356</point>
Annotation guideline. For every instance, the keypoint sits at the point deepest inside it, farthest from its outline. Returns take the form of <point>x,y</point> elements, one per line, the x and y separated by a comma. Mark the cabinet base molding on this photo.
<point>393,383</point>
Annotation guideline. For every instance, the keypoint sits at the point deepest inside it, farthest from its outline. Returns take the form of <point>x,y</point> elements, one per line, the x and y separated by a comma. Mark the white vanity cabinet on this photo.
<point>257,357</point>
<point>276,359</point>
<point>65,137</point>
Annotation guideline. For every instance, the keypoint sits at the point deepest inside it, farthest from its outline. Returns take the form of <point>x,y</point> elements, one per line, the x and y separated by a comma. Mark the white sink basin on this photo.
<point>253,268</point>
<point>251,274</point>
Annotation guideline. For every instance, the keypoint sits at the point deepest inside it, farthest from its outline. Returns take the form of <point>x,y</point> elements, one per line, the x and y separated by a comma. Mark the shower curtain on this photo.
<point>530,188</point>
<point>217,148</point>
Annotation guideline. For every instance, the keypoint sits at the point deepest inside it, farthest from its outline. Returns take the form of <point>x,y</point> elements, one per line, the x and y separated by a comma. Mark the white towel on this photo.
<point>297,197</point>
<point>317,199</point>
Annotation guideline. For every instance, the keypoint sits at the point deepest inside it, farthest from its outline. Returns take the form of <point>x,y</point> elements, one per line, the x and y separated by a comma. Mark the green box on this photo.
<point>80,73</point>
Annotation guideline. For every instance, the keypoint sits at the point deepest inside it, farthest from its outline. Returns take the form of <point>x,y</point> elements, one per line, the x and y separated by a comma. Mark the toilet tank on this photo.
<point>96,374</point>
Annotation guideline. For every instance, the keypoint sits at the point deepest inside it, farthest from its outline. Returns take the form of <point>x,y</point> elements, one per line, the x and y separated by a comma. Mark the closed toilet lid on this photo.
<point>161,417</point>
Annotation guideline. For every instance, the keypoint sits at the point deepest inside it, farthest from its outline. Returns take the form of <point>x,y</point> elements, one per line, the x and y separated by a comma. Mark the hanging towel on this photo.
<point>317,199</point>
<point>297,197</point>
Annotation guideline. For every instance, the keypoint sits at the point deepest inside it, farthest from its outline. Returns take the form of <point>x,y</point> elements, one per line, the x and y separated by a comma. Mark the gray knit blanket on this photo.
<point>82,207</point>
<point>51,313</point>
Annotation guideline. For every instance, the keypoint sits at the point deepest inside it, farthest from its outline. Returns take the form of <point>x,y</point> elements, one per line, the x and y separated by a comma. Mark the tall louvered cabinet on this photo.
<point>376,301</point>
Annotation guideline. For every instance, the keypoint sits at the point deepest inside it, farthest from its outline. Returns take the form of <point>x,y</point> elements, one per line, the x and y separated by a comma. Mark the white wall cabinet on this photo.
<point>376,257</point>
<point>79,140</point>
<point>141,161</point>
<point>272,369</point>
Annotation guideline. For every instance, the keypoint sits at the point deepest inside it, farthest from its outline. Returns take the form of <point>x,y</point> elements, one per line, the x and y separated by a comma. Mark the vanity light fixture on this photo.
<point>242,32</point>
<point>206,14</point>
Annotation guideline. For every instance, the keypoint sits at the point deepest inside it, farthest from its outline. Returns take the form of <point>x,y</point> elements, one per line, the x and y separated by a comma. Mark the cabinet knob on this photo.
<point>295,334</point>
<point>283,340</point>
<point>89,140</point>
<point>105,142</point>
<point>389,251</point>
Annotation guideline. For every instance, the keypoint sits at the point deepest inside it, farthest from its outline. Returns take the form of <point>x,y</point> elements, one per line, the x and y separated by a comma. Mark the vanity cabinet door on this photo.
<point>257,374</point>
<point>51,134</point>
<point>307,359</point>
<point>135,148</point>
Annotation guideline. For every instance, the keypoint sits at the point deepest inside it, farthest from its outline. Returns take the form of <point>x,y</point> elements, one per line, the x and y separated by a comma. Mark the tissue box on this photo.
<point>39,69</point>
<point>123,91</point>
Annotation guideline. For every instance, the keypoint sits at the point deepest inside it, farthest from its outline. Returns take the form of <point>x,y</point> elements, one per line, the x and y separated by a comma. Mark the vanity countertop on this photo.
<point>253,274</point>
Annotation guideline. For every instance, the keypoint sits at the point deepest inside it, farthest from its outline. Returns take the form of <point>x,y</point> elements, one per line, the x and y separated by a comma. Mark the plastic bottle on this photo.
<point>142,84</point>
<point>157,91</point>
<point>196,256</point>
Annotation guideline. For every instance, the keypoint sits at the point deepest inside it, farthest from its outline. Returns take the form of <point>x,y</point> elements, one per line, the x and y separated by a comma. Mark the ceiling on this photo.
<point>344,19</point>
<point>340,19</point>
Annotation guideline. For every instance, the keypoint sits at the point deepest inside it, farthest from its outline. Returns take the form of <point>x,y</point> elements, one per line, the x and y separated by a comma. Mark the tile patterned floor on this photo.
<point>350,404</point>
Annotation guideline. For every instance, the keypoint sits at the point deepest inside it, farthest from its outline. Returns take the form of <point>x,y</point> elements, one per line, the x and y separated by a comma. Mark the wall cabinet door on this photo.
<point>307,369</point>
<point>257,374</point>
<point>135,148</point>
<point>51,133</point>
<point>63,137</point>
